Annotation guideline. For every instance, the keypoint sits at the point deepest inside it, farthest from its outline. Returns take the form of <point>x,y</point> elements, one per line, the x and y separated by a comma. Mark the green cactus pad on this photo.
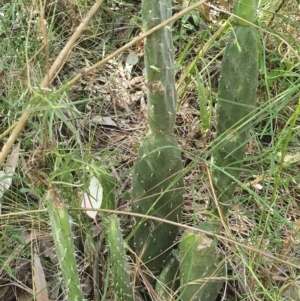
<point>120,269</point>
<point>159,60</point>
<point>236,100</point>
<point>245,10</point>
<point>157,191</point>
<point>199,266</point>
<point>64,244</point>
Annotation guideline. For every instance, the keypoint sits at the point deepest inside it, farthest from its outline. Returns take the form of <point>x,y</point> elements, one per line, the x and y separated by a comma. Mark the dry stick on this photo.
<point>13,136</point>
<point>187,227</point>
<point>8,130</point>
<point>58,63</point>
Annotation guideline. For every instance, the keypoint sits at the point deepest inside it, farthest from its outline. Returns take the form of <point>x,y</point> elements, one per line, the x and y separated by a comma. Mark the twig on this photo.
<point>8,130</point>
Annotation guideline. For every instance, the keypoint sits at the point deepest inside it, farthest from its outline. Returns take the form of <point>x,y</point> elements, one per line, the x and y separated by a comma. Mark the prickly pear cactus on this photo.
<point>168,281</point>
<point>199,265</point>
<point>245,11</point>
<point>119,265</point>
<point>157,182</point>
<point>157,191</point>
<point>236,100</point>
<point>64,244</point>
<point>159,60</point>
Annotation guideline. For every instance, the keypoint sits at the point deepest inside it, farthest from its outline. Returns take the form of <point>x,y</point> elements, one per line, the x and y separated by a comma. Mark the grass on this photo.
<point>65,135</point>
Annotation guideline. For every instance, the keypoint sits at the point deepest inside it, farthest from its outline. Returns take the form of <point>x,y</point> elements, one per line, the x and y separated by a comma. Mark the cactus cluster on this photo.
<point>236,100</point>
<point>157,181</point>
<point>195,273</point>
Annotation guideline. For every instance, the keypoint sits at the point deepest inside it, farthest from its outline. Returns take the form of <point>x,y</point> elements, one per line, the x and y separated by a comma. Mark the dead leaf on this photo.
<point>131,60</point>
<point>39,279</point>
<point>98,120</point>
<point>93,198</point>
<point>117,137</point>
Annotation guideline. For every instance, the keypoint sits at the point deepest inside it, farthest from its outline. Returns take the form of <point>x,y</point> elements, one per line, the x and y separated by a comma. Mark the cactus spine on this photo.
<point>236,100</point>
<point>157,183</point>
<point>64,245</point>
<point>199,264</point>
<point>120,269</point>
